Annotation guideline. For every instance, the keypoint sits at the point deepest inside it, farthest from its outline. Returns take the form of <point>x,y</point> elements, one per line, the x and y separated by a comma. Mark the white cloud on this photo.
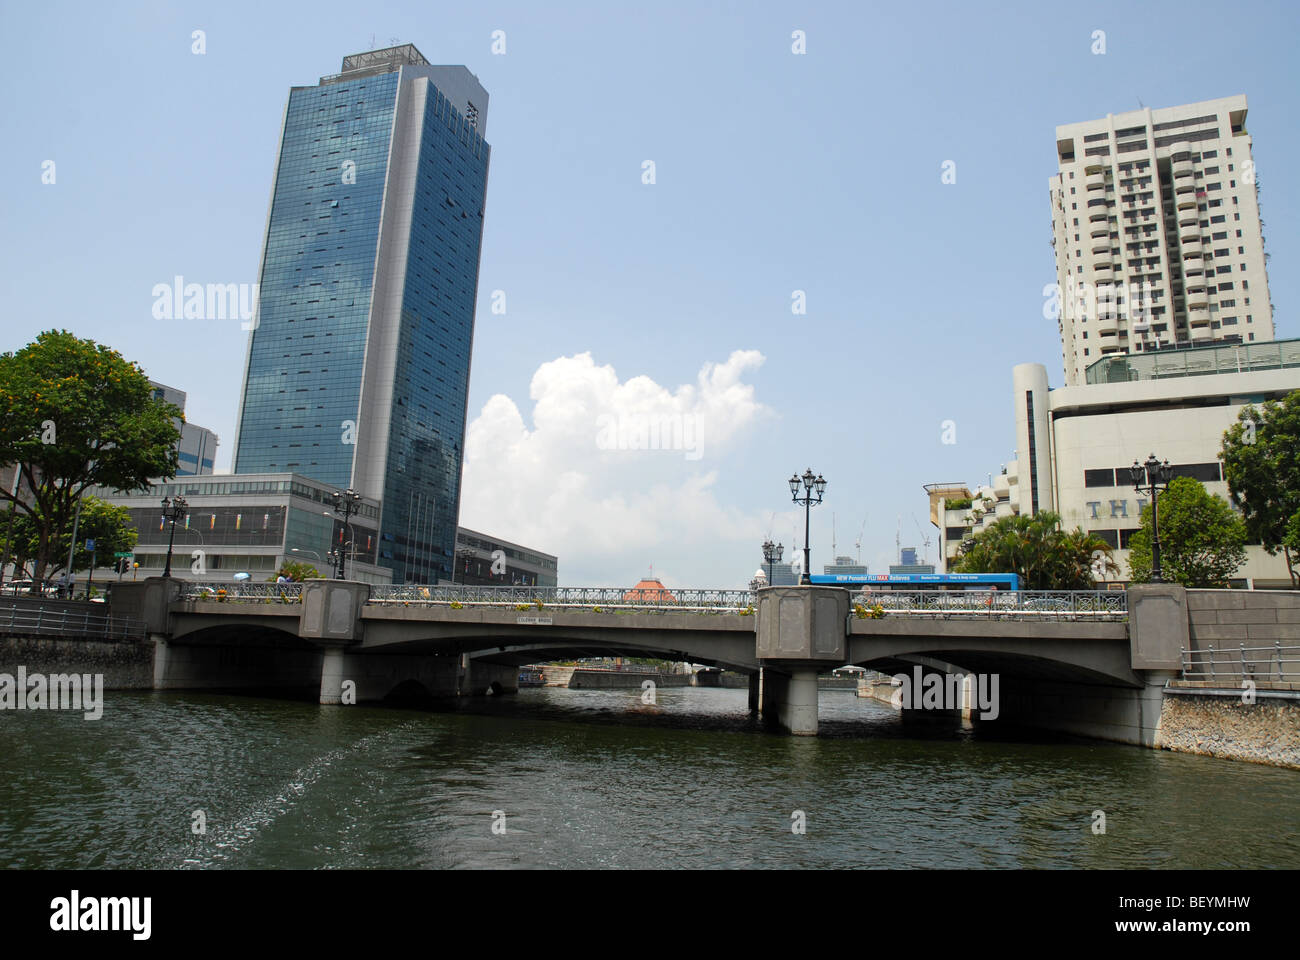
<point>613,476</point>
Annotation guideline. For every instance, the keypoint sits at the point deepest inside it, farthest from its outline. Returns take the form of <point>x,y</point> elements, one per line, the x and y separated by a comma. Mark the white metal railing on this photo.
<point>1004,604</point>
<point>1231,664</point>
<point>606,598</point>
<point>241,592</point>
<point>997,604</point>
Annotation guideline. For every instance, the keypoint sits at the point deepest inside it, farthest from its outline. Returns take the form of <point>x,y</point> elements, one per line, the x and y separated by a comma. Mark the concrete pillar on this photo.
<point>161,658</point>
<point>798,714</point>
<point>331,675</point>
<point>1151,703</point>
<point>753,692</point>
<point>772,687</point>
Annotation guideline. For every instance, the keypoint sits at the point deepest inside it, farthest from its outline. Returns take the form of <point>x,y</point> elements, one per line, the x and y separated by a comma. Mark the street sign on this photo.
<point>90,544</point>
<point>122,553</point>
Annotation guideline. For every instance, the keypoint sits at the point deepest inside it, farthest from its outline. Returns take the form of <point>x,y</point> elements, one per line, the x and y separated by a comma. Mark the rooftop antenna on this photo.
<point>858,542</point>
<point>834,549</point>
<point>898,541</point>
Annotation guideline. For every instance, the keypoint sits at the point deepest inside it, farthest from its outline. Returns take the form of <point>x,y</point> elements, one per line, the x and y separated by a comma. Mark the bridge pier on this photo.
<point>800,633</point>
<point>331,674</point>
<point>755,686</point>
<point>161,660</point>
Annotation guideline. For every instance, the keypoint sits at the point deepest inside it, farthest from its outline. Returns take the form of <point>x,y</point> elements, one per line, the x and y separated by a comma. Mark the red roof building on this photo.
<point>649,590</point>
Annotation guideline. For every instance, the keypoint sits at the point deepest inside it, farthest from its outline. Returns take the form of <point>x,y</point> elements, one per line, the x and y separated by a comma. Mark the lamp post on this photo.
<point>811,485</point>
<point>347,503</point>
<point>1157,476</point>
<point>174,510</point>
<point>772,554</point>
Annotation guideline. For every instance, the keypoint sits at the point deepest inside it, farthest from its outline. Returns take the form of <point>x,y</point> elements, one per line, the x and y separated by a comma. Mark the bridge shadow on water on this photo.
<point>843,716</point>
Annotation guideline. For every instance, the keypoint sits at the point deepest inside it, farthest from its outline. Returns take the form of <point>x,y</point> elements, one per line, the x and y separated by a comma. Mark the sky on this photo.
<point>781,180</point>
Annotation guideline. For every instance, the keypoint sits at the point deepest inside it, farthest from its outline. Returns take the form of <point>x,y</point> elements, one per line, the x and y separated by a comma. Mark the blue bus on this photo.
<point>921,581</point>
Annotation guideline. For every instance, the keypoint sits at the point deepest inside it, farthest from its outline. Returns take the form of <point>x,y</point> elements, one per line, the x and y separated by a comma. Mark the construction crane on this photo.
<point>925,540</point>
<point>858,542</point>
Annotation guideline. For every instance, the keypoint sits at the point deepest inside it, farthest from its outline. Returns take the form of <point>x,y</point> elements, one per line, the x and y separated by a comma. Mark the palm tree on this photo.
<point>1036,548</point>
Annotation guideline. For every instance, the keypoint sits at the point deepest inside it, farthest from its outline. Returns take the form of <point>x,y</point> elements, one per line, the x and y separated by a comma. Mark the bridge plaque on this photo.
<point>534,621</point>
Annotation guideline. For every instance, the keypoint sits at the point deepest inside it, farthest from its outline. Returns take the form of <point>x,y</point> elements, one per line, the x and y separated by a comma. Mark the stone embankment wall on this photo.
<point>1220,725</point>
<point>621,679</point>
<point>126,665</point>
<point>877,687</point>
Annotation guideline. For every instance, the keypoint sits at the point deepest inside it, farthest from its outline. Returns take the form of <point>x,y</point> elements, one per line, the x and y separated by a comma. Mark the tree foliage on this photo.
<point>1261,462</point>
<point>1202,541</point>
<point>1291,540</point>
<point>74,414</point>
<point>296,571</point>
<point>108,525</point>
<point>1040,552</point>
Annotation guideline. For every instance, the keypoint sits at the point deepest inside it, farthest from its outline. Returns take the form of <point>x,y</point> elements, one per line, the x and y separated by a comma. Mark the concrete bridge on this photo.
<point>1091,663</point>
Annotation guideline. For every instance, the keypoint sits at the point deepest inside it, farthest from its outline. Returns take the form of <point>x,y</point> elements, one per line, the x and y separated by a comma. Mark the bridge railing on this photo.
<point>241,592</point>
<point>611,599</point>
<point>1278,663</point>
<point>57,620</point>
<point>996,604</point>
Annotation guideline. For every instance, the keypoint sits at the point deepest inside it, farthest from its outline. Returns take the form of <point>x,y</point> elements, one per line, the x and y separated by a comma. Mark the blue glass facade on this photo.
<point>427,431</point>
<point>304,367</point>
<point>330,226</point>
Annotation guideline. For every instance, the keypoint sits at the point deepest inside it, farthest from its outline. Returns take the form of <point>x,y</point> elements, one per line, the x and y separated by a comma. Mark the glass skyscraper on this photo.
<point>358,362</point>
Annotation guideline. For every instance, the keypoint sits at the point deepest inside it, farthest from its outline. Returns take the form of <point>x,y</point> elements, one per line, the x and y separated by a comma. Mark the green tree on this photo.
<point>108,525</point>
<point>73,415</point>
<point>1261,462</point>
<point>1040,552</point>
<point>1291,540</point>
<point>1202,541</point>
<point>295,571</point>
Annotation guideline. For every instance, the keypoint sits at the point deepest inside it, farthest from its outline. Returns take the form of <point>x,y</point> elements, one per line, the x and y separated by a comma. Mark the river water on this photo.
<point>591,779</point>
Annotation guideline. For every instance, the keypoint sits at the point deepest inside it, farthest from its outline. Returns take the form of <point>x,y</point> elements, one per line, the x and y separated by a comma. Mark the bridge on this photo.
<point>1087,662</point>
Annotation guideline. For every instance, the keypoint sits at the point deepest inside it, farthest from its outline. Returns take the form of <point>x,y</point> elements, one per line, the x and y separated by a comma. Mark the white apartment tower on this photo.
<point>1155,224</point>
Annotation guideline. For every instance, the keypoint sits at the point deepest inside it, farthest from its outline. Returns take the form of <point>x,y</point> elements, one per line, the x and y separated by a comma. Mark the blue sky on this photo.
<point>774,173</point>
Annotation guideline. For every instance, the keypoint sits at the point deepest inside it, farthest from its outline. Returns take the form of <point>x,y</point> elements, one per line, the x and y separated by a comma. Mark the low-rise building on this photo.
<point>490,561</point>
<point>1076,444</point>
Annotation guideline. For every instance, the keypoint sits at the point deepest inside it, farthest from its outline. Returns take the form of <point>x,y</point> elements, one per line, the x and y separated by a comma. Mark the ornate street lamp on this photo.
<point>772,554</point>
<point>348,503</point>
<point>174,510</point>
<point>1157,476</point>
<point>811,486</point>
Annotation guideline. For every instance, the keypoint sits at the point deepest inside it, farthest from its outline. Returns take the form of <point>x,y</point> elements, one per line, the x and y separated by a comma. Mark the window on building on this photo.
<point>1204,472</point>
<point>1099,478</point>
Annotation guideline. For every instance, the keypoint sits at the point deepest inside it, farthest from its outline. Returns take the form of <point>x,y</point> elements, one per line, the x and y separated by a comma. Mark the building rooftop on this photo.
<point>1195,361</point>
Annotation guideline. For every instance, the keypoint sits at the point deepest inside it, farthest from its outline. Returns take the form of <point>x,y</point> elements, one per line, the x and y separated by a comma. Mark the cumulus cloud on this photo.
<point>614,475</point>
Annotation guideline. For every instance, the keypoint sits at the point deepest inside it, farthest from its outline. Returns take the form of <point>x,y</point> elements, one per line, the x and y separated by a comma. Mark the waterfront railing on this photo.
<point>66,621</point>
<point>1277,662</point>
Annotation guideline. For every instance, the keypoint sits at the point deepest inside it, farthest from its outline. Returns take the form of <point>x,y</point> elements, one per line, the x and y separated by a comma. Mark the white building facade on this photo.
<point>1087,437</point>
<point>1157,235</point>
